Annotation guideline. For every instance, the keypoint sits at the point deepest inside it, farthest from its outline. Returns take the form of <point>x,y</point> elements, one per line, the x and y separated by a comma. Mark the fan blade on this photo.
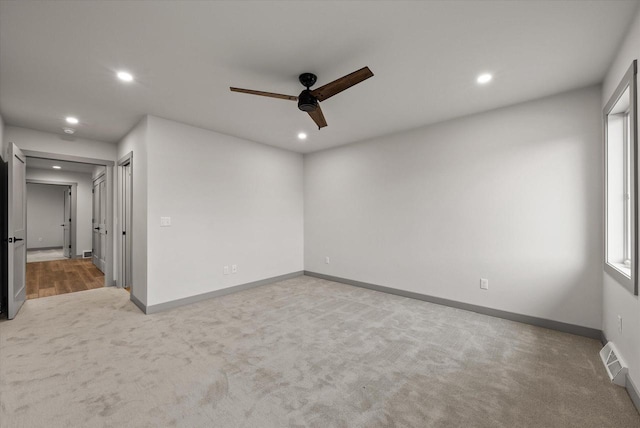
<point>339,85</point>
<point>318,117</point>
<point>265,94</point>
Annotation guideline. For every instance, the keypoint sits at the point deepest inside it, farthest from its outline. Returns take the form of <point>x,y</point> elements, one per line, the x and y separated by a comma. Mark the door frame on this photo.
<point>126,159</point>
<point>108,164</point>
<point>74,206</point>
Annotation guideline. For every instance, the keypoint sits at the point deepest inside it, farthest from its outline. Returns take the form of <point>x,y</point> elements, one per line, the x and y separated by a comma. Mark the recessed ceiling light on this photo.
<point>484,78</point>
<point>302,136</point>
<point>72,120</point>
<point>125,76</point>
<point>56,167</point>
<point>68,130</point>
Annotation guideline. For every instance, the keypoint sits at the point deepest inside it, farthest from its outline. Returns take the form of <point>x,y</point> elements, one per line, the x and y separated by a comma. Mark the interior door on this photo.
<point>66,222</point>
<point>17,221</point>
<point>100,223</point>
<point>126,226</point>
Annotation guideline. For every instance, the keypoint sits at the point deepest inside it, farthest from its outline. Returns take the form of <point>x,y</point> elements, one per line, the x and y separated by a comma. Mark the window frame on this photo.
<point>630,282</point>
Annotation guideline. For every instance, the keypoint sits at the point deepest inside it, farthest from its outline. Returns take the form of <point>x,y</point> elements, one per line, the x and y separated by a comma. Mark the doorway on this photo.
<point>51,219</point>
<point>125,206</point>
<point>59,227</point>
<point>16,267</point>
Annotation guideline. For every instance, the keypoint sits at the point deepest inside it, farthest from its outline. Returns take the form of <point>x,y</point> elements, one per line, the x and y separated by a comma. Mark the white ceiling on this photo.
<point>58,58</point>
<point>85,168</point>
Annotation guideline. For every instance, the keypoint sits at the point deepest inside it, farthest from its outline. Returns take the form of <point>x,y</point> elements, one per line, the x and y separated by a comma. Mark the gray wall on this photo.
<point>231,201</point>
<point>512,195</point>
<point>617,301</point>
<point>45,214</point>
<point>2,141</point>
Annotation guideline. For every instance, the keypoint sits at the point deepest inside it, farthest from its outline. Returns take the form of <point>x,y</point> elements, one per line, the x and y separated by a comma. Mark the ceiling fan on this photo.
<point>308,99</point>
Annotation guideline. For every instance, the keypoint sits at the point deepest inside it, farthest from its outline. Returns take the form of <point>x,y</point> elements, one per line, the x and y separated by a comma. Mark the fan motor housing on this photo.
<point>306,101</point>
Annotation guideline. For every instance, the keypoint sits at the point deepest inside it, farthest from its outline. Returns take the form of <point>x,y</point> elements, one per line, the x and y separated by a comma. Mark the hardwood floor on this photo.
<point>62,276</point>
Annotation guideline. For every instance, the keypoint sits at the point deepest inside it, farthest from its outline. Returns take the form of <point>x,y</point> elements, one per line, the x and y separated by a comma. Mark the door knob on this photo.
<point>17,239</point>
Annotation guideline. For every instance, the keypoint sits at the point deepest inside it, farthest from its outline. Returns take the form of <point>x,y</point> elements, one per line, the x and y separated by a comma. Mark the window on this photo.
<point>620,183</point>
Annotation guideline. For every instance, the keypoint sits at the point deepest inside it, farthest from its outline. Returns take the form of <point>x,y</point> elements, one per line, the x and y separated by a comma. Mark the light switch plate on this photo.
<point>165,221</point>
<point>234,268</point>
<point>484,283</point>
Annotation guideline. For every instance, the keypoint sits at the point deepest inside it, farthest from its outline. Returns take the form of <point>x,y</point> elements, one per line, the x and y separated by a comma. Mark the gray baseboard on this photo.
<point>633,392</point>
<point>526,319</point>
<point>603,338</point>
<point>138,303</point>
<point>217,293</point>
<point>59,247</point>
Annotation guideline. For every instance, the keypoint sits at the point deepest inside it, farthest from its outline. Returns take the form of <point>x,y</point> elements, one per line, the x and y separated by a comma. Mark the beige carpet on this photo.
<point>45,255</point>
<point>300,353</point>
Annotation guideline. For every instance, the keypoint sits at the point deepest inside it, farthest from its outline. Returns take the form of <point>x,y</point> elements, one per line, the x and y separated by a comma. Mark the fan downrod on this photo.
<point>308,79</point>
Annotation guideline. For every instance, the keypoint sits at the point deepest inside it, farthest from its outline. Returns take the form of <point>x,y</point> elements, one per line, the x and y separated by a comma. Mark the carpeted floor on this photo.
<point>45,255</point>
<point>299,353</point>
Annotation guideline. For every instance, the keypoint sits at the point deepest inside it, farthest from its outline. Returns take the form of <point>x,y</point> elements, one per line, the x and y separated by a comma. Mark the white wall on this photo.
<point>136,141</point>
<point>617,301</point>
<point>512,195</point>
<point>29,139</point>
<point>3,148</point>
<point>45,214</point>
<point>84,203</point>
<point>231,201</point>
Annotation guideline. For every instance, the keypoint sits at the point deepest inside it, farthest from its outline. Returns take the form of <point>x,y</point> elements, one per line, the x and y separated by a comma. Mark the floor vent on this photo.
<point>615,366</point>
<point>86,254</point>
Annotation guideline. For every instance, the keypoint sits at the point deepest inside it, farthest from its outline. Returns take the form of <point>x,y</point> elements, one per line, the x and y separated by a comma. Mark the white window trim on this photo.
<point>625,275</point>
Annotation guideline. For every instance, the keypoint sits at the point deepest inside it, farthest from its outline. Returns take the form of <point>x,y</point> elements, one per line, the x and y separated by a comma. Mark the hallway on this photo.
<point>62,276</point>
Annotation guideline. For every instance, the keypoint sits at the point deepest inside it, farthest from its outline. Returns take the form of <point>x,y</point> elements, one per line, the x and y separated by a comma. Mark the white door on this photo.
<point>66,222</point>
<point>126,224</point>
<point>100,223</point>
<point>17,221</point>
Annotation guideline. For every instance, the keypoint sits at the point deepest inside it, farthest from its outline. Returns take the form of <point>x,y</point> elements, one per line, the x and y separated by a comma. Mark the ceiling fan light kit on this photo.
<point>306,101</point>
<point>309,100</point>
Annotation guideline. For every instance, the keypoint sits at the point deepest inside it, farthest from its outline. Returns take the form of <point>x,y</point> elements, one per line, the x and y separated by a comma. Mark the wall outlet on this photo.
<point>165,221</point>
<point>619,324</point>
<point>484,283</point>
<point>40,239</point>
<point>234,268</point>
<point>327,260</point>
<point>226,270</point>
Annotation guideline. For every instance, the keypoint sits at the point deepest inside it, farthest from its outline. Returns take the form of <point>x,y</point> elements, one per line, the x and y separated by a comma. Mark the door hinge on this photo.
<point>69,246</point>
<point>124,232</point>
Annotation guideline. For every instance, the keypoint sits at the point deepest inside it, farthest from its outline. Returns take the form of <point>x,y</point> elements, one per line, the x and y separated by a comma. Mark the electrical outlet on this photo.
<point>484,283</point>
<point>226,270</point>
<point>165,221</point>
<point>234,268</point>
<point>327,260</point>
<point>39,239</point>
<point>619,324</point>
